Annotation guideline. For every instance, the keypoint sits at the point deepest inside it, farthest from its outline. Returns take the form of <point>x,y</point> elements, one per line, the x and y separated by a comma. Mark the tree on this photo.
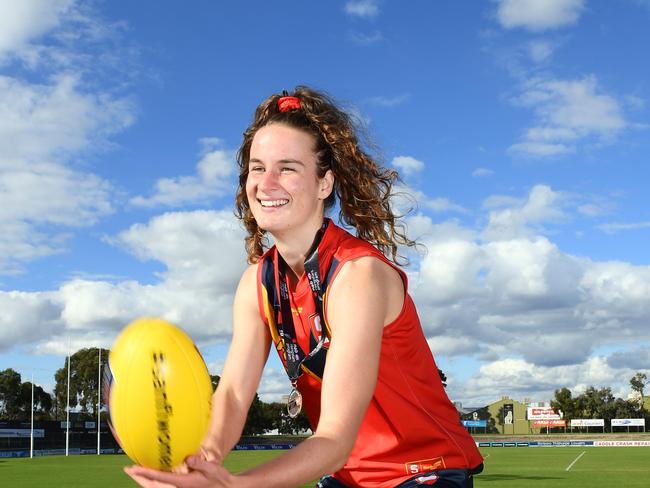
<point>16,398</point>
<point>257,420</point>
<point>42,402</point>
<point>84,388</point>
<point>10,382</point>
<point>595,402</point>
<point>637,384</point>
<point>565,403</point>
<point>279,419</point>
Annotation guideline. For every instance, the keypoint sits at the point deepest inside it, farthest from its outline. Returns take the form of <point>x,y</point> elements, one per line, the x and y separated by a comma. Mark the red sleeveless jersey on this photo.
<point>410,426</point>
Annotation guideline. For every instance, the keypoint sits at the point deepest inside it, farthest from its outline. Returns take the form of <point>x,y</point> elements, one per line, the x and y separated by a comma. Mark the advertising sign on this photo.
<point>13,433</point>
<point>622,443</point>
<point>628,422</point>
<point>587,423</point>
<point>542,413</point>
<point>550,423</point>
<point>475,423</point>
<point>508,413</point>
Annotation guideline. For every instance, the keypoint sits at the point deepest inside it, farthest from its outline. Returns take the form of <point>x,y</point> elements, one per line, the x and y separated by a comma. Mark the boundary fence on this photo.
<point>580,443</point>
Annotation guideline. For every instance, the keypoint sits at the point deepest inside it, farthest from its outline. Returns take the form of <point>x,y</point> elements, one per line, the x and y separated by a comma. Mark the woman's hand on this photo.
<point>200,473</point>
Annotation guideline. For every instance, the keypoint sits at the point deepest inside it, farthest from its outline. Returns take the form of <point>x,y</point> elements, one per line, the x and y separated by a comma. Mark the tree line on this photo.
<point>16,398</point>
<point>600,403</point>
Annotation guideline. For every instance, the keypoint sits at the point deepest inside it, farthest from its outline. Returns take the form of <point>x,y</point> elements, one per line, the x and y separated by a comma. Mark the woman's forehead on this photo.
<point>279,141</point>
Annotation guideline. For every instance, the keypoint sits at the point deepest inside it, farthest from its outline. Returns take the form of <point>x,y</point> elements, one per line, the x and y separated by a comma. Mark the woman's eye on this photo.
<point>287,170</point>
<point>257,169</point>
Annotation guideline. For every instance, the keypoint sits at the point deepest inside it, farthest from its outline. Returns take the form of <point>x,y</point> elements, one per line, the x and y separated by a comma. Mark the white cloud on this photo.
<point>24,21</point>
<point>26,317</point>
<point>634,102</point>
<point>42,127</point>
<point>482,172</point>
<point>203,257</point>
<point>540,51</point>
<point>389,101</point>
<point>522,379</point>
<point>407,165</point>
<point>637,358</point>
<point>452,346</point>
<point>54,114</point>
<point>496,201</point>
<point>274,384</point>
<point>366,39</point>
<point>616,295</point>
<point>56,119</point>
<point>531,312</point>
<point>72,198</point>
<point>366,9</point>
<point>567,113</point>
<point>538,15</point>
<point>541,149</point>
<point>450,268</point>
<point>36,222</point>
<point>615,227</point>
<point>213,179</point>
<point>593,209</point>
<point>405,199</point>
<point>202,247</point>
<point>441,204</point>
<point>543,205</point>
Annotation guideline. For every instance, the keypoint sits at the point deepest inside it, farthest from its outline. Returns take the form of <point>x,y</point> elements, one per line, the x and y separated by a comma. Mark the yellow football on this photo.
<point>158,393</point>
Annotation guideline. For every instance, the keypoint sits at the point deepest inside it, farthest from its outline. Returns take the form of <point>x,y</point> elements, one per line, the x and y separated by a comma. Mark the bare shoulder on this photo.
<point>249,276</point>
<point>370,268</point>
<point>370,280</point>
<point>247,289</point>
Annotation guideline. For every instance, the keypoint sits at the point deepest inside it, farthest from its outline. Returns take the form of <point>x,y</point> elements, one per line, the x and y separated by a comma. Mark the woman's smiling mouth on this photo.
<point>273,203</point>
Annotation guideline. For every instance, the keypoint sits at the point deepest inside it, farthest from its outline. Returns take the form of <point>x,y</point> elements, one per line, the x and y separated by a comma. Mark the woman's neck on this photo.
<point>294,246</point>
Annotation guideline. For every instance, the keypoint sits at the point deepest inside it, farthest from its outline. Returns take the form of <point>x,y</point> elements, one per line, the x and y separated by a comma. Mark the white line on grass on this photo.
<point>575,460</point>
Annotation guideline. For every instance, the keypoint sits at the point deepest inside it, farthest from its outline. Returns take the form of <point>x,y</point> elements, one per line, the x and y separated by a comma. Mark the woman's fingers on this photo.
<point>150,478</point>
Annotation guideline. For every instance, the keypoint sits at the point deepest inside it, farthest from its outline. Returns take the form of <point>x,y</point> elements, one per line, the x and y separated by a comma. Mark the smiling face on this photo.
<point>283,188</point>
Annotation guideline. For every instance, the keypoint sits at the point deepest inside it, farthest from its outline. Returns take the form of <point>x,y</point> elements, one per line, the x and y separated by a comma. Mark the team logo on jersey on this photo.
<point>317,328</point>
<point>415,467</point>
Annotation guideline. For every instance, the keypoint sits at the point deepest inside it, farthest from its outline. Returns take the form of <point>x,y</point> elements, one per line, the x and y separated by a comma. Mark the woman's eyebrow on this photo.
<point>281,161</point>
<point>289,160</point>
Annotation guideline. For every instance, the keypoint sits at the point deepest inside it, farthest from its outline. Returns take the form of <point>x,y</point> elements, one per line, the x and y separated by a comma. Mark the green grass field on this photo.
<point>546,467</point>
<point>95,471</point>
<point>627,467</point>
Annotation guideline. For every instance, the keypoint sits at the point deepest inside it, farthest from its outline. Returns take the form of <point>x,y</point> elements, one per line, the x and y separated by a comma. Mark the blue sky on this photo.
<point>520,127</point>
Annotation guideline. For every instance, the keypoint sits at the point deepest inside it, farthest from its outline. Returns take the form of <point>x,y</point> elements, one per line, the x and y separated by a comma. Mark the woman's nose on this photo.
<point>269,180</point>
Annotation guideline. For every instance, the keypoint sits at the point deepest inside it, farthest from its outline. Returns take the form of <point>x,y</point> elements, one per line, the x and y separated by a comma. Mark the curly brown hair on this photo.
<point>363,187</point>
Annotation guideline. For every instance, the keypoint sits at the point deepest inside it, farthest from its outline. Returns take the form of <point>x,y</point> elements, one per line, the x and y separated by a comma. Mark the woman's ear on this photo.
<point>326,185</point>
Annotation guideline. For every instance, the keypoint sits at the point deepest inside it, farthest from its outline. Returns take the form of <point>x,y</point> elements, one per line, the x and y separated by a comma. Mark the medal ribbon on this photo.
<point>293,354</point>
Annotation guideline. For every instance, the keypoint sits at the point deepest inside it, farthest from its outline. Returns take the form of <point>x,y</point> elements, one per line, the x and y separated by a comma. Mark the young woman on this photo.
<point>337,309</point>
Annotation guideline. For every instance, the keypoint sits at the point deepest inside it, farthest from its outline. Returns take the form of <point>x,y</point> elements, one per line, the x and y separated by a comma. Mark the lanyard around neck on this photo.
<point>293,354</point>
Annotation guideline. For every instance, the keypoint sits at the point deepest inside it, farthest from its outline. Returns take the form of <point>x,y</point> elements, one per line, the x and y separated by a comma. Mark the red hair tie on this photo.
<point>288,103</point>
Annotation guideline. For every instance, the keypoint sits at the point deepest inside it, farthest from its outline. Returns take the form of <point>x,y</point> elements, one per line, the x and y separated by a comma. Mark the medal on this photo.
<point>294,403</point>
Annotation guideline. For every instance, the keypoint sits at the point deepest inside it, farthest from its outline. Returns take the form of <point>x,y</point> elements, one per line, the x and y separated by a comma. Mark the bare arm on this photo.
<point>242,371</point>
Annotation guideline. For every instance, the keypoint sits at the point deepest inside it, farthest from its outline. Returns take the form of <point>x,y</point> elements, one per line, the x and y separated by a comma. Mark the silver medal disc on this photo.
<point>294,403</point>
